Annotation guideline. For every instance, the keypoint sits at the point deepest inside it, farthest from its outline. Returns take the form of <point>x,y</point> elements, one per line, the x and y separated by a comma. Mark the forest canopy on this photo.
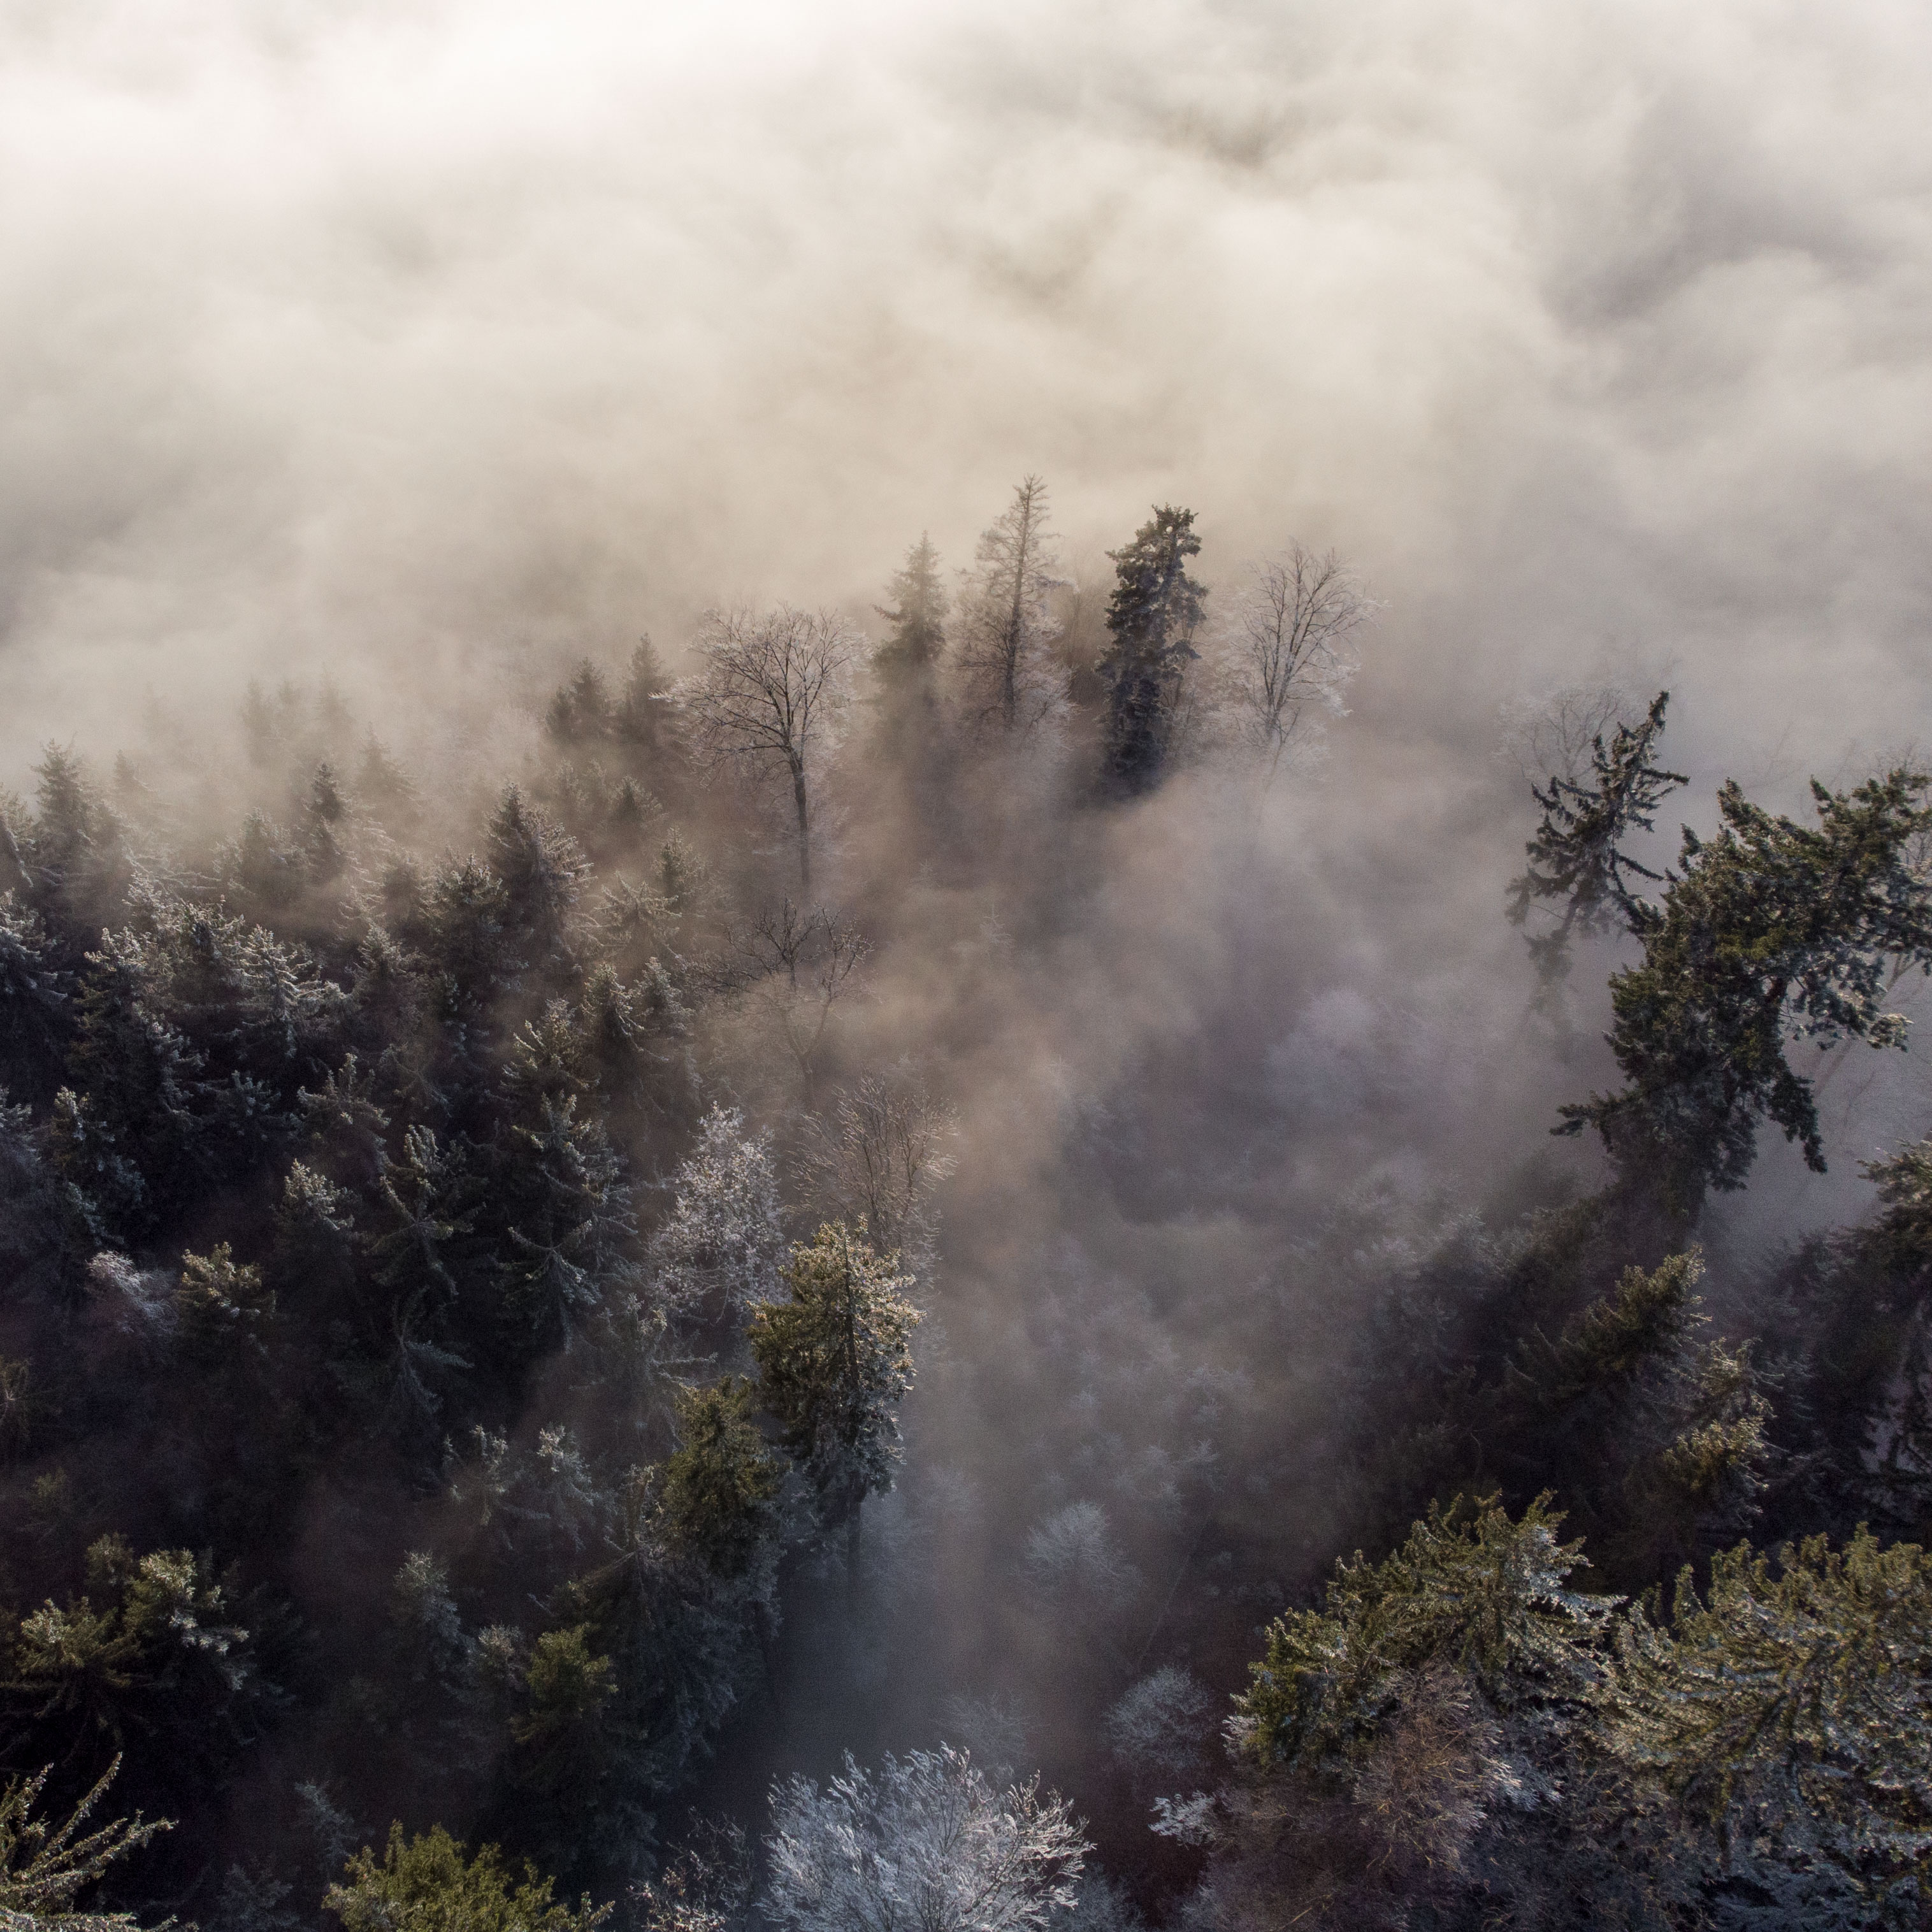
<point>494,1414</point>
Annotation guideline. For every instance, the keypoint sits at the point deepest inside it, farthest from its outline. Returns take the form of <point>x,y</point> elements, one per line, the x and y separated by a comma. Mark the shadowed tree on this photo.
<point>834,1361</point>
<point>1151,618</point>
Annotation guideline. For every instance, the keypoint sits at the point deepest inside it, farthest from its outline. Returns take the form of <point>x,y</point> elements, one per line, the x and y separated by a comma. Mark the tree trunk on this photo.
<point>804,825</point>
<point>852,1528</point>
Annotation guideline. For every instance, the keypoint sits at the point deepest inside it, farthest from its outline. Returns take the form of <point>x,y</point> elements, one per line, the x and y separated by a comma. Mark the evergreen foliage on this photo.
<point>1577,856</point>
<point>835,1360</point>
<point>1772,931</point>
<point>45,1867</point>
<point>426,1884</point>
<point>917,616</point>
<point>1151,619</point>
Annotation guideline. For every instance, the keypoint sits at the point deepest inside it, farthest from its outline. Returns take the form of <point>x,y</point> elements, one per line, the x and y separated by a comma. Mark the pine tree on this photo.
<point>1152,617</point>
<point>581,709</point>
<point>717,1492</point>
<point>76,856</point>
<point>542,869</point>
<point>1785,1705</point>
<point>43,1868</point>
<point>427,1884</point>
<point>1006,678</point>
<point>834,1361</point>
<point>917,614</point>
<point>36,1002</point>
<point>1577,856</point>
<point>1770,932</point>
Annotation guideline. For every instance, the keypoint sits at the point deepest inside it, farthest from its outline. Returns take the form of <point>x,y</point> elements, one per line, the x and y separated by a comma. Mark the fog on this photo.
<point>349,334</point>
<point>425,349</point>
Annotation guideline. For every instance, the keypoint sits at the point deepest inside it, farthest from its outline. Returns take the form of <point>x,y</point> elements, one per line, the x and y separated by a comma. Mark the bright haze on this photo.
<point>1594,334</point>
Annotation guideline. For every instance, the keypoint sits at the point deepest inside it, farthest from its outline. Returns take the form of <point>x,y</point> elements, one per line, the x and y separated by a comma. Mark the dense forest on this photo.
<point>515,1417</point>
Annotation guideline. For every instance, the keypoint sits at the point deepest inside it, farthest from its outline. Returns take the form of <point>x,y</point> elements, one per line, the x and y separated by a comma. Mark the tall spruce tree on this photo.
<point>835,1360</point>
<point>1152,617</point>
<point>1004,680</point>
<point>917,615</point>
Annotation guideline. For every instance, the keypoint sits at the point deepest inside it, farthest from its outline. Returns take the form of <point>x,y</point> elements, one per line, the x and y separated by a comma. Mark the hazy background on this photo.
<point>1594,333</point>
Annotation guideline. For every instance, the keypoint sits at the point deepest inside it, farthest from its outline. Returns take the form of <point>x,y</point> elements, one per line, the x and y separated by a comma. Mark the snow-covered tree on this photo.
<point>1072,1560</point>
<point>924,1844</point>
<point>719,1250</point>
<point>1159,1731</point>
<point>1287,650</point>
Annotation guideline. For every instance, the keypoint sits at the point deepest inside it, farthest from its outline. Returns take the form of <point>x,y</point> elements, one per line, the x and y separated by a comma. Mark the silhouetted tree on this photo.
<point>770,694</point>
<point>1151,619</point>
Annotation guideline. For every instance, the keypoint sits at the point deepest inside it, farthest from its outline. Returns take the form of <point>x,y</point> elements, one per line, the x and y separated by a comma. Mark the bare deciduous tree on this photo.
<point>878,1159</point>
<point>1290,632</point>
<point>773,685</point>
<point>1552,737</point>
<point>803,963</point>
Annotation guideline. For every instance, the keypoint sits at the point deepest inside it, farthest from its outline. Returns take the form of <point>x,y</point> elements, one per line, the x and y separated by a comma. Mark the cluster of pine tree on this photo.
<point>460,1288</point>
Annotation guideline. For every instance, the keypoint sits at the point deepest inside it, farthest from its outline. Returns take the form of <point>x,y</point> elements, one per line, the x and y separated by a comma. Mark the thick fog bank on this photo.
<point>375,339</point>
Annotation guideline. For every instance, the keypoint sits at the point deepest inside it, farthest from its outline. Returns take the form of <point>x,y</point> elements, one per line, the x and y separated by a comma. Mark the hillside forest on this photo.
<point>553,1371</point>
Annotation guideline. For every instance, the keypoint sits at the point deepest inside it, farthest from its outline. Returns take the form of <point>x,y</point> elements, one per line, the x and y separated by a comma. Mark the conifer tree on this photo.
<point>44,1867</point>
<point>1151,618</point>
<point>76,862</point>
<point>1769,933</point>
<point>834,1361</point>
<point>917,615</point>
<point>1006,680</point>
<point>1785,1706</point>
<point>641,712</point>
<point>427,1884</point>
<point>36,1002</point>
<point>717,1492</point>
<point>907,664</point>
<point>1577,857</point>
